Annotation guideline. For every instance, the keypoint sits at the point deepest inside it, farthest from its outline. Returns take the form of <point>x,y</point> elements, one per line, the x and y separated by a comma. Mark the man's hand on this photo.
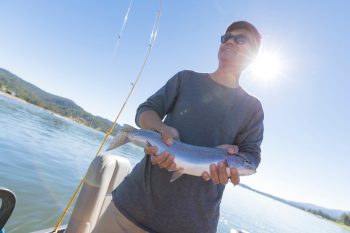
<point>169,134</point>
<point>164,160</point>
<point>218,171</point>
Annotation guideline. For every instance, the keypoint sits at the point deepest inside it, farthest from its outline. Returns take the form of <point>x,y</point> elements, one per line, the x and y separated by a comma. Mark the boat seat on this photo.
<point>7,205</point>
<point>103,176</point>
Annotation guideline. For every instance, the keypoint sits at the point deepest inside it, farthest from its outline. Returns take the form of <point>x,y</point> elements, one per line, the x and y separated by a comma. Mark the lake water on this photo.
<point>43,157</point>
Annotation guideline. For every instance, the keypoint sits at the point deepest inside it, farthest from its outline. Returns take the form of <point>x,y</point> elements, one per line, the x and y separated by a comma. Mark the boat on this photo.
<point>8,202</point>
<point>104,174</point>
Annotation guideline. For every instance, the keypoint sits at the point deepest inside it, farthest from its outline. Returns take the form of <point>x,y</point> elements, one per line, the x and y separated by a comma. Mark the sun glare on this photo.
<point>267,66</point>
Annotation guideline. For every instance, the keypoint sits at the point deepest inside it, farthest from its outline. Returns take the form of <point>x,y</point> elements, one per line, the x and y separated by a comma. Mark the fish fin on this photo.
<point>122,137</point>
<point>176,174</point>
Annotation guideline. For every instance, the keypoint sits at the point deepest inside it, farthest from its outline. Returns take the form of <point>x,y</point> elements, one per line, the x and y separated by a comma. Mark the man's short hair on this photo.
<point>249,27</point>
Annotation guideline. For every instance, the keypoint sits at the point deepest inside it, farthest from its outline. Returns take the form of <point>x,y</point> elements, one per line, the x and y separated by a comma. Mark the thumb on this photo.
<point>231,149</point>
<point>167,138</point>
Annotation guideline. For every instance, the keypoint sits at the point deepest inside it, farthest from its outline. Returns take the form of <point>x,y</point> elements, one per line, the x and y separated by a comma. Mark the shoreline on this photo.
<point>2,93</point>
<point>36,106</point>
<point>346,227</point>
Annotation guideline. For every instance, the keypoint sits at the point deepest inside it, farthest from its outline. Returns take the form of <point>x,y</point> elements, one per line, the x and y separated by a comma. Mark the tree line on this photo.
<point>345,219</point>
<point>14,85</point>
<point>322,214</point>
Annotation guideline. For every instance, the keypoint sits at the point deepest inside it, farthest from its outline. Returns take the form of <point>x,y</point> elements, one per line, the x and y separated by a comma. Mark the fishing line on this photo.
<point>118,41</point>
<point>150,47</point>
<point>121,30</point>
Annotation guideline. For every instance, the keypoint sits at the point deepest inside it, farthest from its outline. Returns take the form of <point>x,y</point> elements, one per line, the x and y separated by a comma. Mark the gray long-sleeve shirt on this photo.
<point>205,113</point>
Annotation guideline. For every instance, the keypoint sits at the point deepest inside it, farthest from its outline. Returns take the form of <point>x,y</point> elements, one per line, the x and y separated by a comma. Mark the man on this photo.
<point>200,109</point>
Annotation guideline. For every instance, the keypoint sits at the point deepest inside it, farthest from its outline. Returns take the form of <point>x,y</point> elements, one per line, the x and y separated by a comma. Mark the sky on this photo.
<point>68,48</point>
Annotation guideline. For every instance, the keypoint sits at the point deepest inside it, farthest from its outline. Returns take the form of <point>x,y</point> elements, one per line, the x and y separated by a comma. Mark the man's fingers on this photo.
<point>234,176</point>
<point>214,174</point>
<point>169,134</point>
<point>231,149</point>
<point>223,178</point>
<point>172,167</point>
<point>167,162</point>
<point>205,176</point>
<point>167,138</point>
<point>235,149</point>
<point>158,159</point>
<point>151,150</point>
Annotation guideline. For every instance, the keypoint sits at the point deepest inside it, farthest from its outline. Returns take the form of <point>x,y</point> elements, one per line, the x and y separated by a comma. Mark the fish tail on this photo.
<point>122,137</point>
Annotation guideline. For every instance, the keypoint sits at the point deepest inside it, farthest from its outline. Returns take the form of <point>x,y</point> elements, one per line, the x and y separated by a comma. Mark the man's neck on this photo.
<point>229,78</point>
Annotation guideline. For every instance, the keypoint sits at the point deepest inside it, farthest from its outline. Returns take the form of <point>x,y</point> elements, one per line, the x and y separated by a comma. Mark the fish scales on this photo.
<point>189,159</point>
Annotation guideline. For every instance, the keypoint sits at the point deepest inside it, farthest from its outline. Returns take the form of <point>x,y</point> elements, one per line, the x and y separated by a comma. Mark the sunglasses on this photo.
<point>238,39</point>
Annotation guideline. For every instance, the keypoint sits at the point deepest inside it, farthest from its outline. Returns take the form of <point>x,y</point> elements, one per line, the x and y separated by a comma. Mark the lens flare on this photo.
<point>267,66</point>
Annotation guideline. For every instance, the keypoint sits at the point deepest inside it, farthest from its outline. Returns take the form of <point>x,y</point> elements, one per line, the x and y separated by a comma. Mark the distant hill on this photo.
<point>15,86</point>
<point>331,214</point>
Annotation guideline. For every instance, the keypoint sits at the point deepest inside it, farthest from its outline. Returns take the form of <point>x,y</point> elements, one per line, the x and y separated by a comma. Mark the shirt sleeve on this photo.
<point>250,138</point>
<point>163,100</point>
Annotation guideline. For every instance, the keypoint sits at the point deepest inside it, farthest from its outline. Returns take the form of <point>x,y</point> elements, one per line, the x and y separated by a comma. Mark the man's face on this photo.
<point>237,48</point>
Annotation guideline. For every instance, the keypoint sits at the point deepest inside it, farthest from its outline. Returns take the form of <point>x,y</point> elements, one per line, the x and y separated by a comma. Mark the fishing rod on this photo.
<point>121,30</point>
<point>150,47</point>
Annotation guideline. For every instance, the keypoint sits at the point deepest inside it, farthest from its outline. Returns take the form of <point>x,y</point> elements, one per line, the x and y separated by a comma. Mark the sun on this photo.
<point>267,66</point>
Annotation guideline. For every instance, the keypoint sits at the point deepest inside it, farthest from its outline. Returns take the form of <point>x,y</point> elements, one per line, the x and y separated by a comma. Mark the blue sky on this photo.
<point>66,48</point>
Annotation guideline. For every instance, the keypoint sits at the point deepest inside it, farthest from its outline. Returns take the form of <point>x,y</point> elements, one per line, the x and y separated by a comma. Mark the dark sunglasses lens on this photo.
<point>226,37</point>
<point>223,39</point>
<point>241,39</point>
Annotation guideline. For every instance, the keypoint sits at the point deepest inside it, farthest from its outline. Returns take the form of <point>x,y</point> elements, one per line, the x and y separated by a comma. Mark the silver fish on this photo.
<point>189,159</point>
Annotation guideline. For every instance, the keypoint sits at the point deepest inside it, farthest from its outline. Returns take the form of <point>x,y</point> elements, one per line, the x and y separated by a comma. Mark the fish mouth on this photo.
<point>243,165</point>
<point>246,171</point>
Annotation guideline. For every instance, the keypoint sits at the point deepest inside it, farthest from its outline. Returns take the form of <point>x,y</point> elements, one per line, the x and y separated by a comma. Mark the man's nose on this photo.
<point>231,43</point>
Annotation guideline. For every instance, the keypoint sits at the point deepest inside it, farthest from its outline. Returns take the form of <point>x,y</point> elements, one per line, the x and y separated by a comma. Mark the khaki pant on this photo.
<point>112,221</point>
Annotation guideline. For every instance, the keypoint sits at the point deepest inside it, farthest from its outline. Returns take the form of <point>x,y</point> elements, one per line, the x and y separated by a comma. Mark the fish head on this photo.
<point>243,165</point>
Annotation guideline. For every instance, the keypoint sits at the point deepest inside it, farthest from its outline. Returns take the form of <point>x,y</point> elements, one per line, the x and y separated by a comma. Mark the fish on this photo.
<point>189,159</point>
